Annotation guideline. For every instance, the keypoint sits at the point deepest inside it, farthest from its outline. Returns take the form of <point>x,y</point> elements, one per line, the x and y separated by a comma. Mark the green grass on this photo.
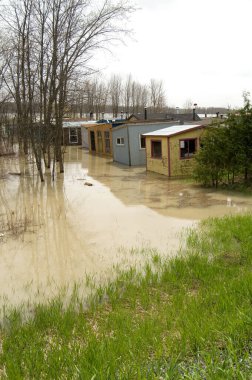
<point>188,318</point>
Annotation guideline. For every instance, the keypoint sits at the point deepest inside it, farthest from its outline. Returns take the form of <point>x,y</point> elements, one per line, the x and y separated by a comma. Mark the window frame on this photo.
<point>107,141</point>
<point>73,135</point>
<point>121,141</point>
<point>152,155</point>
<point>188,155</point>
<point>140,142</point>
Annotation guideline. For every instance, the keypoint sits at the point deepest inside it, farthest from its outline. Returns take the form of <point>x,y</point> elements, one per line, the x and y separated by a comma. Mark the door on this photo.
<point>92,141</point>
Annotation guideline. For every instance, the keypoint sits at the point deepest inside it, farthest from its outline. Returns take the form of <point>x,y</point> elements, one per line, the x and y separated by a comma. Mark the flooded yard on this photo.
<point>95,216</point>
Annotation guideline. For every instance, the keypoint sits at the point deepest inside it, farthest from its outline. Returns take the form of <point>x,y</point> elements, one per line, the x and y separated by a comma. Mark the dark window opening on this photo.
<point>142,142</point>
<point>107,141</point>
<point>120,141</point>
<point>106,135</point>
<point>156,149</point>
<point>92,139</point>
<point>187,148</point>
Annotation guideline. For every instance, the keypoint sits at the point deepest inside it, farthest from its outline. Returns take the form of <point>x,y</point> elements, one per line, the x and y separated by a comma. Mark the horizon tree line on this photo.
<point>115,95</point>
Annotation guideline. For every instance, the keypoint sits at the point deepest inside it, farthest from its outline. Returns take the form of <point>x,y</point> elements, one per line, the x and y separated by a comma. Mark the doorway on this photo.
<point>92,141</point>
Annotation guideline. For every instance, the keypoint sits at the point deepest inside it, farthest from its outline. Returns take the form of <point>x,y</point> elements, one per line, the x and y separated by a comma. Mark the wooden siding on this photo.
<point>100,140</point>
<point>158,165</point>
<point>171,164</point>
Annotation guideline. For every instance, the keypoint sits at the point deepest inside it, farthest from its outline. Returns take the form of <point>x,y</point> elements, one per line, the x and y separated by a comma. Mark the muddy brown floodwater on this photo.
<point>66,229</point>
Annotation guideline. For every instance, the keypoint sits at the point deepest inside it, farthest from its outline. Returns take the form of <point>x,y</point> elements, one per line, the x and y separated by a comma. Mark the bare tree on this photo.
<point>157,95</point>
<point>115,91</point>
<point>6,122</point>
<point>101,96</point>
<point>188,105</point>
<point>136,95</point>
<point>127,92</point>
<point>52,41</point>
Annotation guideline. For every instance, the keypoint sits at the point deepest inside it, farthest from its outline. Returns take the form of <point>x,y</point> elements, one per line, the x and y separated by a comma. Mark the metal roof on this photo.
<point>173,130</point>
<point>72,124</point>
<point>142,123</point>
<point>188,116</point>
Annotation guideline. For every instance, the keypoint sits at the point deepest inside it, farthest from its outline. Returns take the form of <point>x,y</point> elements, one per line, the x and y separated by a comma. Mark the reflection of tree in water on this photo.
<point>26,203</point>
<point>15,219</point>
<point>44,248</point>
<point>135,186</point>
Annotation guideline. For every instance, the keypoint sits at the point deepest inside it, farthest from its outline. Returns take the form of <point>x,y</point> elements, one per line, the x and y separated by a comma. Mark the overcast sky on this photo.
<point>201,49</point>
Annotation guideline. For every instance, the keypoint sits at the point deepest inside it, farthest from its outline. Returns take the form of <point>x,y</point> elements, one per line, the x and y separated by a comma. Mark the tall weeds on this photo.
<point>186,318</point>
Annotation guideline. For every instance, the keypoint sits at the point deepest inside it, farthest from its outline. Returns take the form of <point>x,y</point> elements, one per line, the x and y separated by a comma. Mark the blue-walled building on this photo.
<point>129,144</point>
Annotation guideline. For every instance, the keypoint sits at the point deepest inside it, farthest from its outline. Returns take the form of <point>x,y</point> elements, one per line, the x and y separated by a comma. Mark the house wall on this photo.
<point>158,165</point>
<point>132,153</point>
<point>84,137</point>
<point>171,164</point>
<point>120,152</point>
<point>138,155</point>
<point>178,166</point>
<point>100,143</point>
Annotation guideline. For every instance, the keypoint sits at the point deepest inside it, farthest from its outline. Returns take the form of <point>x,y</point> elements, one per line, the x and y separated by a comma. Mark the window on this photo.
<point>92,140</point>
<point>187,148</point>
<point>107,141</point>
<point>156,149</point>
<point>73,135</point>
<point>142,142</point>
<point>120,141</point>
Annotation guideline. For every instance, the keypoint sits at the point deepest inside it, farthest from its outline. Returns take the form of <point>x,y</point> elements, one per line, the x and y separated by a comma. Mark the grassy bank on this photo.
<point>188,318</point>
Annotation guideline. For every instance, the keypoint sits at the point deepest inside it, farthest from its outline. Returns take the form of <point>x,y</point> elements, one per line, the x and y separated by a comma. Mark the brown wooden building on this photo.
<point>100,138</point>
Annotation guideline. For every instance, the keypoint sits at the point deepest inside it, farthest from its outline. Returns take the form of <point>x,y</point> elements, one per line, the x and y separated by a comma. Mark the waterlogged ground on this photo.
<point>95,216</point>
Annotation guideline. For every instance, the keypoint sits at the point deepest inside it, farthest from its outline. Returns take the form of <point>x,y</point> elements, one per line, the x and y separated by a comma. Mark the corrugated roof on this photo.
<point>173,130</point>
<point>142,123</point>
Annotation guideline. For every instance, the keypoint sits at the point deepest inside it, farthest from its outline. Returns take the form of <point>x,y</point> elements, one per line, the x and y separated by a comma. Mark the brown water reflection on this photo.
<point>169,197</point>
<point>70,230</point>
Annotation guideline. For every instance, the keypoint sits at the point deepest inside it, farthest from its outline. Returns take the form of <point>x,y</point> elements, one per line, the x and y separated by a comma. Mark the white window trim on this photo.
<point>140,147</point>
<point>187,155</point>
<point>120,144</point>
<point>74,135</point>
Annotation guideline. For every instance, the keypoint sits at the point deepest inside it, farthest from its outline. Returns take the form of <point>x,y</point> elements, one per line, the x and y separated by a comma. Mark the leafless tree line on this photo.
<point>117,94</point>
<point>46,47</point>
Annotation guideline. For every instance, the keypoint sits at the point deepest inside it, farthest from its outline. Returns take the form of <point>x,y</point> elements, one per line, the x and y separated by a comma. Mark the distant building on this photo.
<point>72,133</point>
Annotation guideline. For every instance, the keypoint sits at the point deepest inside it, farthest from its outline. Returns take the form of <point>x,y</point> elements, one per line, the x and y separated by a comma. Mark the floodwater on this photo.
<point>94,217</point>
